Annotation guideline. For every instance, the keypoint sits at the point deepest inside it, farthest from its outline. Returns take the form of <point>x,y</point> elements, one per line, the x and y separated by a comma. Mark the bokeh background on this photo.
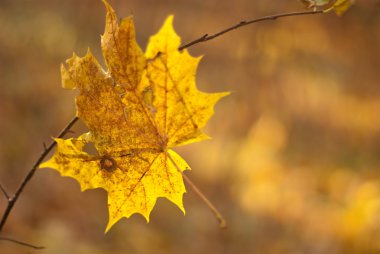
<point>294,163</point>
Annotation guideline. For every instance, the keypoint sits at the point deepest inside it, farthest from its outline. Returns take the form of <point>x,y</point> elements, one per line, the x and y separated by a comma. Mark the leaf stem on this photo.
<point>214,210</point>
<point>12,200</point>
<point>207,37</point>
<point>218,215</point>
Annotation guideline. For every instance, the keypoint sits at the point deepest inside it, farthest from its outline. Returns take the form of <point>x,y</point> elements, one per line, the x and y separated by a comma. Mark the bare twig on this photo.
<point>4,191</point>
<point>44,145</point>
<point>207,37</point>
<point>12,200</point>
<point>21,243</point>
<point>214,210</point>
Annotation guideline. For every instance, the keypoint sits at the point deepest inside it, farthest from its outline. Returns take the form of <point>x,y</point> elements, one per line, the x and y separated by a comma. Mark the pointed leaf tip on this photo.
<point>108,6</point>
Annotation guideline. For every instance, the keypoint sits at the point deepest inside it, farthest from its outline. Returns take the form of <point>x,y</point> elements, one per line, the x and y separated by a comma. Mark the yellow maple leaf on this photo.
<point>137,111</point>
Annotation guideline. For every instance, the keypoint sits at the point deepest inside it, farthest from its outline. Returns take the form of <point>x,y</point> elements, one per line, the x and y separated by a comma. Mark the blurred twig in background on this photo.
<point>21,243</point>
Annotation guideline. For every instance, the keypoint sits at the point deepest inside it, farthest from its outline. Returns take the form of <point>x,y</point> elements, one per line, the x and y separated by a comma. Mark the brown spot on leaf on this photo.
<point>108,163</point>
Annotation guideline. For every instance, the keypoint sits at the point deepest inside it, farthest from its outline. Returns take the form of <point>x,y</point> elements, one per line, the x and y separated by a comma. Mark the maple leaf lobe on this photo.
<point>124,57</point>
<point>181,110</point>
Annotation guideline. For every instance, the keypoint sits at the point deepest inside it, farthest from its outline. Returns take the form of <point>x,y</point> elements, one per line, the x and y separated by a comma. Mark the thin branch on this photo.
<point>21,243</point>
<point>208,37</point>
<point>214,210</point>
<point>44,145</point>
<point>4,191</point>
<point>12,200</point>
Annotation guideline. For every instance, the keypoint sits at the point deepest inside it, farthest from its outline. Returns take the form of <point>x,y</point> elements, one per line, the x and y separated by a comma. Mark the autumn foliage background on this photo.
<point>295,156</point>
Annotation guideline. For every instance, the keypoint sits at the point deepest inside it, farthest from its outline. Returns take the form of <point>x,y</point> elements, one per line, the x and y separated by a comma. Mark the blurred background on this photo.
<point>294,163</point>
